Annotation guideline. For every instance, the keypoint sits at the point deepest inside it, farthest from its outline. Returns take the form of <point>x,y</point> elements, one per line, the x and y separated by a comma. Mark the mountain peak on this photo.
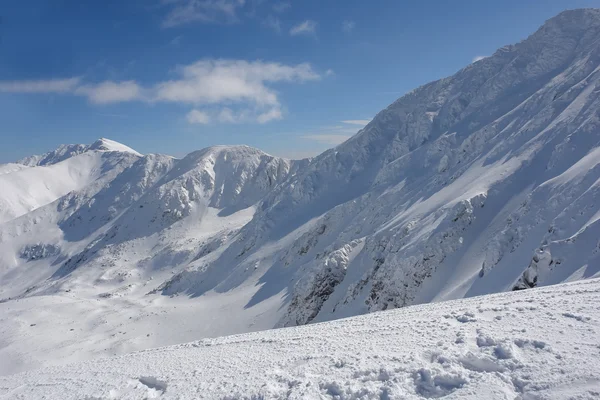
<point>65,151</point>
<point>104,144</point>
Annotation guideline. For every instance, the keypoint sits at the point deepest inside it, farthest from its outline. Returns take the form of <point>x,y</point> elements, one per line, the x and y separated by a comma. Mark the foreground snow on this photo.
<point>535,344</point>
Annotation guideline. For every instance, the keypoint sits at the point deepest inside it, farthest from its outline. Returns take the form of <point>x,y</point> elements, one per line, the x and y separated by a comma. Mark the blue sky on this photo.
<point>290,77</point>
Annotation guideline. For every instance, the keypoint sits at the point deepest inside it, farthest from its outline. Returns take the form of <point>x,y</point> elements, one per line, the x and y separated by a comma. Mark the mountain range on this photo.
<point>486,181</point>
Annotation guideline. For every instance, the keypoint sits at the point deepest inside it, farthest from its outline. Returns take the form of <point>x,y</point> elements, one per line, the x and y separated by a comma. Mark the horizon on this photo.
<point>152,77</point>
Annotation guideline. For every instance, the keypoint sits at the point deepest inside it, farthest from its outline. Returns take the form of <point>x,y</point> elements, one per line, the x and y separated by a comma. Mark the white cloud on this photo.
<point>246,115</point>
<point>228,115</point>
<point>282,6</point>
<point>176,41</point>
<point>361,122</point>
<point>41,86</point>
<point>314,142</point>
<point>328,139</point>
<point>348,26</point>
<point>335,134</point>
<point>102,93</point>
<point>478,58</point>
<point>187,11</point>
<point>111,92</point>
<point>308,27</point>
<point>241,89</point>
<point>271,115</point>
<point>198,117</point>
<point>215,81</point>
<point>272,23</point>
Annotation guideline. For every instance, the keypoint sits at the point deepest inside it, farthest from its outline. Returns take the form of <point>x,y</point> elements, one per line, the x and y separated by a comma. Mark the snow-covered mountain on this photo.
<point>66,151</point>
<point>486,181</point>
<point>26,189</point>
<point>101,227</point>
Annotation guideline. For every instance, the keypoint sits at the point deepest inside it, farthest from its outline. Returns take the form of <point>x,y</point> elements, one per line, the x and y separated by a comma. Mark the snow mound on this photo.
<point>541,344</point>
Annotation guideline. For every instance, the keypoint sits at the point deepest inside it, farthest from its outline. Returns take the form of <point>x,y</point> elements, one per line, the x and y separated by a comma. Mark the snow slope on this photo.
<point>538,344</point>
<point>486,181</point>
<point>26,189</point>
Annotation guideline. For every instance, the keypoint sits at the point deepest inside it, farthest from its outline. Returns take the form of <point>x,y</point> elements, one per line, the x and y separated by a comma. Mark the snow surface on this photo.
<point>486,181</point>
<point>26,189</point>
<point>536,344</point>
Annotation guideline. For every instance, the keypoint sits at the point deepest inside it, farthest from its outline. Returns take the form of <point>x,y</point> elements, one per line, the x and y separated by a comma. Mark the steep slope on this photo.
<point>539,344</point>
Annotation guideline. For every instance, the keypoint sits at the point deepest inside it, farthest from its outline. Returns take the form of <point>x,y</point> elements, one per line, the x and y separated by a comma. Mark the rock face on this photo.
<point>482,182</point>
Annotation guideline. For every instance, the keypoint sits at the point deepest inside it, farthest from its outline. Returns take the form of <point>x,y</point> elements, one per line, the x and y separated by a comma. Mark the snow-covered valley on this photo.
<point>483,182</point>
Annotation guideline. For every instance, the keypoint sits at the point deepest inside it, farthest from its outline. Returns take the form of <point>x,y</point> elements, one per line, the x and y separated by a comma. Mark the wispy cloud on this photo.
<point>361,122</point>
<point>238,115</point>
<point>40,86</point>
<point>101,93</point>
<point>270,115</point>
<point>184,12</point>
<point>111,92</point>
<point>112,115</point>
<point>328,139</point>
<point>273,23</point>
<point>478,58</point>
<point>335,134</point>
<point>308,27</point>
<point>176,41</point>
<point>282,6</point>
<point>232,91</point>
<point>187,11</point>
<point>348,26</point>
<point>197,117</point>
<point>313,142</point>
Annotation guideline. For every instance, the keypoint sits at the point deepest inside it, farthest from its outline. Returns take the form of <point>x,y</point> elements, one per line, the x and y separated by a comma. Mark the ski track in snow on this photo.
<point>537,344</point>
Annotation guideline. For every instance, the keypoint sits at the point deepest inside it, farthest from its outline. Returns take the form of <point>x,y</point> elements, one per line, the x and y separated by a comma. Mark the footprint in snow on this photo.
<point>153,384</point>
<point>466,317</point>
<point>579,318</point>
